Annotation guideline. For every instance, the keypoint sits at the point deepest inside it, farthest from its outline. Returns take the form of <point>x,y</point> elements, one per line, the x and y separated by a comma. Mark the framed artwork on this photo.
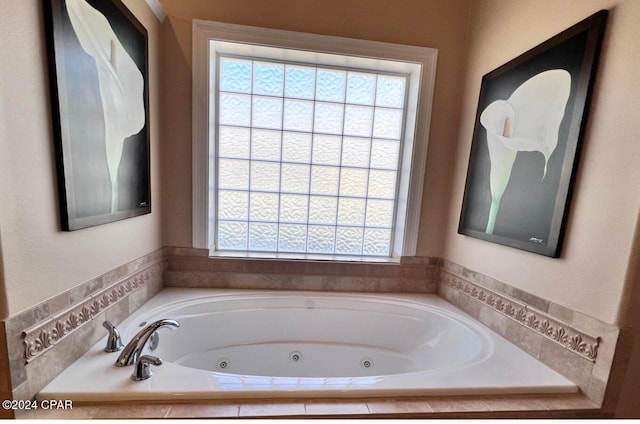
<point>532,112</point>
<point>98,75</point>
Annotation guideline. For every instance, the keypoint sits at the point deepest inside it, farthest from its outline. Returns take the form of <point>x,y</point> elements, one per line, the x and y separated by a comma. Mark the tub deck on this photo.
<point>499,368</point>
<point>296,405</point>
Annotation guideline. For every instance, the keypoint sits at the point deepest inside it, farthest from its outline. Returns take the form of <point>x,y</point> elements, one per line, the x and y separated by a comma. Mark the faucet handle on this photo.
<point>142,370</point>
<point>114,343</point>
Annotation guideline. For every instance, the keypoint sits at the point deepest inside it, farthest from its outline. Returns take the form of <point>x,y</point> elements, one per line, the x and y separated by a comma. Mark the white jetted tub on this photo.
<point>259,344</point>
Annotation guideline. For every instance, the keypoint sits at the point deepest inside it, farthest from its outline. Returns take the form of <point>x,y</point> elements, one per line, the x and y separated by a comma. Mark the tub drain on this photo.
<point>295,356</point>
<point>366,363</point>
<point>222,364</point>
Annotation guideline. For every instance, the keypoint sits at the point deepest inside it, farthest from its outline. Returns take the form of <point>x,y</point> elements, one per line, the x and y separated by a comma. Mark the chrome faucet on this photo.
<point>142,369</point>
<point>133,350</point>
<point>114,343</point>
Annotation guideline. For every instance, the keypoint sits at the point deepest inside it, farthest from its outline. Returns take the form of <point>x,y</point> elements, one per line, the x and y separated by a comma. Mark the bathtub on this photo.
<point>276,344</point>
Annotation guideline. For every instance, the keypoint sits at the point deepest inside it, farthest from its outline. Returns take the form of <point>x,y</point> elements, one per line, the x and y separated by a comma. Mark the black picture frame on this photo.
<point>98,75</point>
<point>520,115</point>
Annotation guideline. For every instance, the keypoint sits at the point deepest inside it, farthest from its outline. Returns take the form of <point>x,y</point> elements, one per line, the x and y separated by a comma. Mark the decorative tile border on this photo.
<point>575,341</point>
<point>44,335</point>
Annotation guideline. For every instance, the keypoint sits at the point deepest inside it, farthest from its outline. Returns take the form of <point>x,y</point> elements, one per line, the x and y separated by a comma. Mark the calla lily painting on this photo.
<point>99,55</point>
<point>120,81</point>
<point>530,122</point>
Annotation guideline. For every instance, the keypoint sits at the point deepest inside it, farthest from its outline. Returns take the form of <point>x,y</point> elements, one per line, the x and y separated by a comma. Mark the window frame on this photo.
<point>418,62</point>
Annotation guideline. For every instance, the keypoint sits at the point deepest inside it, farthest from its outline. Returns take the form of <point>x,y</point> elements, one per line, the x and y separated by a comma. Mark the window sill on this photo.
<point>303,257</point>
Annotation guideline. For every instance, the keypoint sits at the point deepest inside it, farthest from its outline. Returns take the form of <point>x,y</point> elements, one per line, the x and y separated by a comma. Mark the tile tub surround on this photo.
<point>43,340</point>
<point>193,268</point>
<point>187,267</point>
<point>578,346</point>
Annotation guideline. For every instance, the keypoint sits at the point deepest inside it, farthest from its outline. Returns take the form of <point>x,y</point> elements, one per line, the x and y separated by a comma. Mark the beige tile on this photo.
<point>174,278</point>
<point>287,274</point>
<point>153,288</point>
<point>87,335</point>
<point>15,325</point>
<point>450,267</point>
<point>590,325</point>
<point>274,281</point>
<point>184,251</point>
<point>596,390</point>
<point>118,312</point>
<point>561,313</point>
<point>131,411</point>
<point>115,275</point>
<point>139,297</point>
<point>45,367</point>
<point>41,311</point>
<point>398,406</point>
<point>567,363</point>
<point>86,289</point>
<point>76,413</point>
<point>412,285</point>
<point>475,277</point>
<point>311,282</point>
<point>419,260</point>
<point>22,392</point>
<point>422,286</point>
<point>364,284</point>
<point>275,409</point>
<point>514,403</point>
<point>528,299</point>
<point>468,304</point>
<point>614,342</point>
<point>336,408</point>
<point>457,405</point>
<point>567,402</point>
<point>203,410</point>
<point>196,279</point>
<point>158,255</point>
<point>448,293</point>
<point>16,352</point>
<point>144,261</point>
<point>493,319</point>
<point>523,337</point>
<point>614,372</point>
<point>60,302</point>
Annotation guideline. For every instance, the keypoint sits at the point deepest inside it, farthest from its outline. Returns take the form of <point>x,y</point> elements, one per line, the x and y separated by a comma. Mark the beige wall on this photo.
<point>39,260</point>
<point>627,383</point>
<point>436,23</point>
<point>590,275</point>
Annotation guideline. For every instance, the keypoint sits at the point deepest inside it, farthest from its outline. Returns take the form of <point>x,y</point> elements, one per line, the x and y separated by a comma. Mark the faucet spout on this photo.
<point>133,350</point>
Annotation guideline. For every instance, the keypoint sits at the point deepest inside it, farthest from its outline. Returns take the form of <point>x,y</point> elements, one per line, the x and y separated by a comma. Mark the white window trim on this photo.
<point>420,99</point>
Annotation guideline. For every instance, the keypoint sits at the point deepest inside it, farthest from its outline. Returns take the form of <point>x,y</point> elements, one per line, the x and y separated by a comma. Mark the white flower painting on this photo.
<point>98,65</point>
<point>528,121</point>
<point>121,83</point>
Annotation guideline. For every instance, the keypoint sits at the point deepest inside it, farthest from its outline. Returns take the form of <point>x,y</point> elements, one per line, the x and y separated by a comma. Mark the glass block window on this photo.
<point>306,157</point>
